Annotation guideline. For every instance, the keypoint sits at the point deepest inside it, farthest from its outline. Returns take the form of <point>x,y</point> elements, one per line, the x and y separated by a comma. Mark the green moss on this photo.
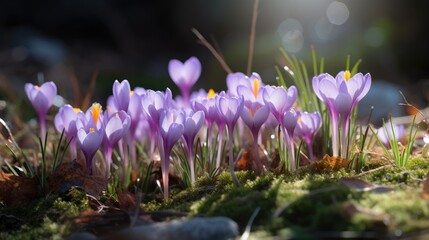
<point>405,210</point>
<point>48,229</point>
<point>41,218</point>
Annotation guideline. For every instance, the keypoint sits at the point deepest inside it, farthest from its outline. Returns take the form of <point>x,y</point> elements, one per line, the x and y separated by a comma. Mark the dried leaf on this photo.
<point>71,174</point>
<point>363,186</point>
<point>329,164</point>
<point>17,190</point>
<point>127,200</point>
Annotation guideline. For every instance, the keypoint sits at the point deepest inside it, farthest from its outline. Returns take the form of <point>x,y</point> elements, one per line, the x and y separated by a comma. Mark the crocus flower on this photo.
<point>136,115</point>
<point>252,91</point>
<point>341,95</point>
<point>280,101</point>
<point>171,129</point>
<point>41,97</point>
<point>185,75</point>
<point>115,127</point>
<point>153,104</point>
<point>207,104</point>
<point>233,80</point>
<point>90,133</point>
<point>385,134</point>
<point>306,128</point>
<point>89,141</point>
<point>254,116</point>
<point>230,109</point>
<point>192,124</point>
<point>66,119</point>
<point>121,94</point>
<point>289,123</point>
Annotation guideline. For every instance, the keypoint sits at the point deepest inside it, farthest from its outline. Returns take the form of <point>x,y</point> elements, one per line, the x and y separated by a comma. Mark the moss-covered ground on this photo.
<point>300,205</point>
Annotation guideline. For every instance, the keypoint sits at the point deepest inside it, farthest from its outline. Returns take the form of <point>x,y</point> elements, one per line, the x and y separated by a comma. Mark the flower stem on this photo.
<point>73,150</point>
<point>108,160</point>
<point>165,165</point>
<point>191,162</point>
<point>219,146</point>
<point>42,124</point>
<point>334,126</point>
<point>259,168</point>
<point>231,157</point>
<point>310,149</point>
<point>344,137</point>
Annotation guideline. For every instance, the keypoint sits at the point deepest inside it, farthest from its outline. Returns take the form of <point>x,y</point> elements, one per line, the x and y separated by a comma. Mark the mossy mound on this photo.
<point>312,205</point>
<point>42,218</point>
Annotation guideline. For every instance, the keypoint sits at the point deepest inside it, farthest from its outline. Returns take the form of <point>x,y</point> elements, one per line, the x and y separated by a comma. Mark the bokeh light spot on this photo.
<point>337,13</point>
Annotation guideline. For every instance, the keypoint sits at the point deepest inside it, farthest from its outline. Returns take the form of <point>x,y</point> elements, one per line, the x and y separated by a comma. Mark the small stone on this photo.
<point>81,236</point>
<point>216,228</point>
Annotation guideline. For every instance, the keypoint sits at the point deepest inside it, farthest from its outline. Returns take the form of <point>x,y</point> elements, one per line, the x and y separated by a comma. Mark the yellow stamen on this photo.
<point>347,75</point>
<point>76,110</point>
<point>299,119</point>
<point>96,110</point>
<point>91,129</point>
<point>256,84</point>
<point>211,93</point>
<point>117,115</point>
<point>37,87</point>
<point>131,93</point>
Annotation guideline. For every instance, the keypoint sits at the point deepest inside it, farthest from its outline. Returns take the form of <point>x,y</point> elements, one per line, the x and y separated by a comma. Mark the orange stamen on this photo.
<point>256,85</point>
<point>96,110</point>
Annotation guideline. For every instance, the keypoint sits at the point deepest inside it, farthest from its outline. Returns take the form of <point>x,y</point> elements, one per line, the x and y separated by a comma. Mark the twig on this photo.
<point>246,233</point>
<point>90,92</point>
<point>205,43</point>
<point>252,36</point>
<point>374,170</point>
<point>425,118</point>
<point>216,46</point>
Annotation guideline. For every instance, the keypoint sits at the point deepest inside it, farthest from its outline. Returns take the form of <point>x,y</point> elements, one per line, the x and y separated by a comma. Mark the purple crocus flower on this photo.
<point>121,94</point>
<point>192,124</point>
<point>289,123</point>
<point>230,109</point>
<point>254,116</point>
<point>384,133</point>
<point>209,107</point>
<point>153,104</point>
<point>66,119</point>
<point>185,75</point>
<point>280,101</point>
<point>341,95</point>
<point>115,127</point>
<point>41,97</point>
<point>253,91</point>
<point>90,133</point>
<point>89,142</point>
<point>171,129</point>
<point>306,128</point>
<point>233,80</point>
<point>136,115</point>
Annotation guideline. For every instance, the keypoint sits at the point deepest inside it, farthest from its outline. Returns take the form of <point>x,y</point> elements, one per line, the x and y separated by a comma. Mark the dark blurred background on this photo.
<point>66,41</point>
